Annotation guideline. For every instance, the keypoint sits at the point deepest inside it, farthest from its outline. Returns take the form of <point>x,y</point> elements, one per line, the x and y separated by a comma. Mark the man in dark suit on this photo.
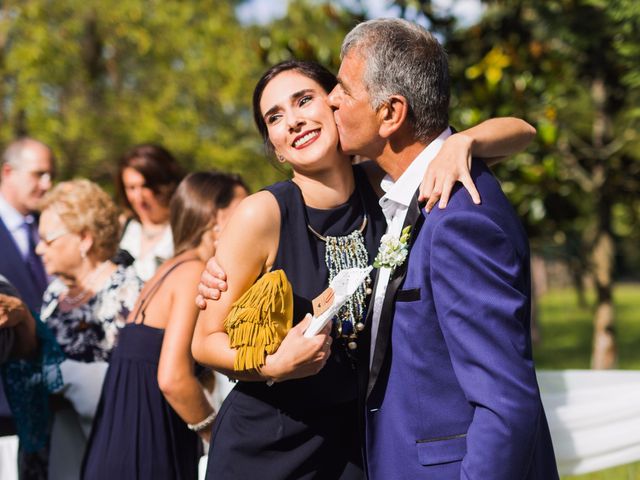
<point>26,171</point>
<point>452,391</point>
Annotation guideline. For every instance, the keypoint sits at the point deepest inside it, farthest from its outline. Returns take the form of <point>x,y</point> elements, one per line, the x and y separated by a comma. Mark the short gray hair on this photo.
<point>402,58</point>
<point>13,153</point>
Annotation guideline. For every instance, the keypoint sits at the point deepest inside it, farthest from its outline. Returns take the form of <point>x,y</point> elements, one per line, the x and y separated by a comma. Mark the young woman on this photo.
<point>147,177</point>
<point>153,406</point>
<point>296,416</point>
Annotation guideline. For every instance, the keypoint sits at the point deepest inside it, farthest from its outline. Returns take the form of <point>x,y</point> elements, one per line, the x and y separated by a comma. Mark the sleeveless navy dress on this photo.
<point>136,434</point>
<point>306,428</point>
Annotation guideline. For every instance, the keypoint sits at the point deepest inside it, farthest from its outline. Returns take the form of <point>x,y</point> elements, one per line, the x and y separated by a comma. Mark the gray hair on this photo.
<point>12,155</point>
<point>402,58</point>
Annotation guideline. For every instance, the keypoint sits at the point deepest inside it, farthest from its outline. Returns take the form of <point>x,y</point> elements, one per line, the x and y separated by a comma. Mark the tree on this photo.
<point>94,77</point>
<point>567,66</point>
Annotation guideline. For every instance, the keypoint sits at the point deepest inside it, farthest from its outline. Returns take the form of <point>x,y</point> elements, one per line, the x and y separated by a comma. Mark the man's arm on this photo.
<point>479,287</point>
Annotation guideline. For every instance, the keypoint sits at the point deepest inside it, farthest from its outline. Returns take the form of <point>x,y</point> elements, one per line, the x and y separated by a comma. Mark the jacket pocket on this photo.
<point>442,450</point>
<point>409,295</point>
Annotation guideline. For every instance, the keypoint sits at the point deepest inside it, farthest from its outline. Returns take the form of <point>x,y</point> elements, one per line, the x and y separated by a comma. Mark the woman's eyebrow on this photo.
<point>292,98</point>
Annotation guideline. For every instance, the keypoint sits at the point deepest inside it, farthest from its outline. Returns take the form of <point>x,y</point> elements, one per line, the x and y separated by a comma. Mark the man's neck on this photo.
<point>9,199</point>
<point>399,152</point>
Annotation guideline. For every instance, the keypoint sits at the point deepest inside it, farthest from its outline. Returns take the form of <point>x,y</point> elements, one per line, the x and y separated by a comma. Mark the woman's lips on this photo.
<point>305,139</point>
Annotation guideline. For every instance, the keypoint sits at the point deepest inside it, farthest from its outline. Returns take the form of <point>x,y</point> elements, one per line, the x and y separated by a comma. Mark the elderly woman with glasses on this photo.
<point>85,306</point>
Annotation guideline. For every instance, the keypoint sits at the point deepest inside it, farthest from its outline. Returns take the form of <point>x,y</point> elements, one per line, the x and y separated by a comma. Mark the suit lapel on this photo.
<point>415,219</point>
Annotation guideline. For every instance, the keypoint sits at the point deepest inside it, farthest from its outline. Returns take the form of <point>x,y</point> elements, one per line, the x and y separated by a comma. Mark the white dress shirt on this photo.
<point>395,204</point>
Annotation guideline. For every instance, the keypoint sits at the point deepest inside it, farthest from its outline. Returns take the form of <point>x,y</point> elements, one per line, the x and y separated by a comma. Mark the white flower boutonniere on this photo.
<point>393,251</point>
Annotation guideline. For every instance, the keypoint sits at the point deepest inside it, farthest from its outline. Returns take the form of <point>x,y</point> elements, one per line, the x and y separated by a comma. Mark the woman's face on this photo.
<point>142,199</point>
<point>58,247</point>
<point>299,120</point>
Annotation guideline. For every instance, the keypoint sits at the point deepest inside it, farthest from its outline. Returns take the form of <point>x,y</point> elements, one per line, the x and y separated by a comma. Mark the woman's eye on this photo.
<point>305,99</point>
<point>273,118</point>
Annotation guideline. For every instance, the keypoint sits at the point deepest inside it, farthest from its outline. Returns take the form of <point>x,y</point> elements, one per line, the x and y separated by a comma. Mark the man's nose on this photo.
<point>333,98</point>
<point>45,182</point>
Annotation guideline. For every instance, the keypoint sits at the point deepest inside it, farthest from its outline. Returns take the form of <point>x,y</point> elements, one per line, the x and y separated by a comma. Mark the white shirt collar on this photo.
<point>402,190</point>
<point>12,219</point>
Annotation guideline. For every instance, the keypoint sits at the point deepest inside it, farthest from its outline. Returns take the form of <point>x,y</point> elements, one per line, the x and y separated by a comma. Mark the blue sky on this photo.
<point>261,11</point>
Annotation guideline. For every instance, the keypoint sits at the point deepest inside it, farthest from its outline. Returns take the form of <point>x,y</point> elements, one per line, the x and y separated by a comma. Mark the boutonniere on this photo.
<point>393,251</point>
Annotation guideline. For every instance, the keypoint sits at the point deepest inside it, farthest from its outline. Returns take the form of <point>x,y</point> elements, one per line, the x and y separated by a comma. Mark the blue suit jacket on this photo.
<point>452,391</point>
<point>13,267</point>
<point>16,270</point>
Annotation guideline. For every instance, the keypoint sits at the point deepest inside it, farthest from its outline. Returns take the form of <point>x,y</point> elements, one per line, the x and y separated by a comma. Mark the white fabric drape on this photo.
<point>9,458</point>
<point>594,417</point>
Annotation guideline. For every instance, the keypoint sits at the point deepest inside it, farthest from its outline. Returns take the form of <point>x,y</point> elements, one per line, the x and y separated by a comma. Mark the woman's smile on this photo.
<point>305,139</point>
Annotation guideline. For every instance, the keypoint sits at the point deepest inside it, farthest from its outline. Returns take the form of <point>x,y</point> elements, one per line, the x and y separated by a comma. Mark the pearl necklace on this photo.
<point>153,234</point>
<point>89,280</point>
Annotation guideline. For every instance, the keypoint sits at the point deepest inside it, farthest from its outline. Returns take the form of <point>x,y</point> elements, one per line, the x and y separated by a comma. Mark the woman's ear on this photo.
<point>86,242</point>
<point>392,115</point>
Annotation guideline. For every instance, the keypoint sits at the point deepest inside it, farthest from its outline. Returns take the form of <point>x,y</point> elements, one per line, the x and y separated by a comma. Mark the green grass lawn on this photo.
<point>566,333</point>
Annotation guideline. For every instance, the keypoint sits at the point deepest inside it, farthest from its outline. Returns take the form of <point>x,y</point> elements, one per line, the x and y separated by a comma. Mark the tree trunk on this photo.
<point>604,354</point>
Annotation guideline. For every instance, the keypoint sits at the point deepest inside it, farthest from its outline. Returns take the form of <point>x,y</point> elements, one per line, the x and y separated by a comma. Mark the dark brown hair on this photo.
<point>312,70</point>
<point>160,170</point>
<point>194,206</point>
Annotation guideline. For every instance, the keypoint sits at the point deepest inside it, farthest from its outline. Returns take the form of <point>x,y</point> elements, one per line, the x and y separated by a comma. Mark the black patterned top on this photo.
<point>89,332</point>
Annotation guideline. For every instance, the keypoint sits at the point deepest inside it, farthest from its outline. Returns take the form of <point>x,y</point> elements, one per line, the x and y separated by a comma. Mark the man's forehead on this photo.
<point>36,158</point>
<point>351,69</point>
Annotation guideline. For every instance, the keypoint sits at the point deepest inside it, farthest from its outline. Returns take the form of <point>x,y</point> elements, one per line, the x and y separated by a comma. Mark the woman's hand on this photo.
<point>12,311</point>
<point>452,164</point>
<point>212,283</point>
<point>298,356</point>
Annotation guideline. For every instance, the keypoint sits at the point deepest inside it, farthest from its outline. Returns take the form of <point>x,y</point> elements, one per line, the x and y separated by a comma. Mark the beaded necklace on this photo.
<point>341,252</point>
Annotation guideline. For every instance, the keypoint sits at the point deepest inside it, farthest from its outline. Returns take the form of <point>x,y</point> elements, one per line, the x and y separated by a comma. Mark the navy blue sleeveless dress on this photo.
<point>136,434</point>
<point>306,428</point>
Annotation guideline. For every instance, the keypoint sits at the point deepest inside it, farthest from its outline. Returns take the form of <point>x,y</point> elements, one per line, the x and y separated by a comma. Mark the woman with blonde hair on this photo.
<point>84,306</point>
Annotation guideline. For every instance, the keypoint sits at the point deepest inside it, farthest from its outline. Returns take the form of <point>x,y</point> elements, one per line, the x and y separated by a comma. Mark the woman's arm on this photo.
<point>492,140</point>
<point>246,248</point>
<point>176,376</point>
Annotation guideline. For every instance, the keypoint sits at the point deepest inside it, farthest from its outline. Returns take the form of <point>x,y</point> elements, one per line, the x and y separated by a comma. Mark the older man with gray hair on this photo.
<point>451,391</point>
<point>26,171</point>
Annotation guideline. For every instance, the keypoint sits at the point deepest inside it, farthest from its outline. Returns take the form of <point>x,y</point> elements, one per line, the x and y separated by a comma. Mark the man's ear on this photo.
<point>6,170</point>
<point>392,115</point>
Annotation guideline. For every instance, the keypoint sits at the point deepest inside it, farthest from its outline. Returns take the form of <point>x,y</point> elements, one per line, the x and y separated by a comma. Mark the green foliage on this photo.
<point>94,77</point>
<point>567,329</point>
<point>311,30</point>
<point>567,68</point>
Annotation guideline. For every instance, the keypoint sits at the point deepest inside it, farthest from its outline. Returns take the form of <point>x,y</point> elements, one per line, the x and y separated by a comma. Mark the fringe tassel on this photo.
<point>260,319</point>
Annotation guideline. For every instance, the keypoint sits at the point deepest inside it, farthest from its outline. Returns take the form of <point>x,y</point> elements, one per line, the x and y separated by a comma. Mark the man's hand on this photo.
<point>212,284</point>
<point>12,311</point>
<point>298,356</point>
<point>452,164</point>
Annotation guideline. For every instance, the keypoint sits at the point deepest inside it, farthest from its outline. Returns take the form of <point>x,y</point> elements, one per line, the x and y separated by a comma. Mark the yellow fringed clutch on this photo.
<point>260,319</point>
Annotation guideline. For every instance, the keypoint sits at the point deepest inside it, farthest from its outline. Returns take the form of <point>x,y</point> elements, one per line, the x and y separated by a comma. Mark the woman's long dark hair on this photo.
<point>157,165</point>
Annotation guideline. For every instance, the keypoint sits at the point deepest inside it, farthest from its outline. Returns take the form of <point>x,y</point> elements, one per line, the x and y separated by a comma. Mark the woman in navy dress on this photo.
<point>296,416</point>
<point>152,406</point>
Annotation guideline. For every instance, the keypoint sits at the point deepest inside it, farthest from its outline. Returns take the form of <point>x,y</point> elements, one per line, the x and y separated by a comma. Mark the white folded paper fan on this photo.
<point>344,284</point>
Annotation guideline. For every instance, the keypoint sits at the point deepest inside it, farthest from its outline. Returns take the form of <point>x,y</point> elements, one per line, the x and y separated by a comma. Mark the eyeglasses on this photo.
<point>49,238</point>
